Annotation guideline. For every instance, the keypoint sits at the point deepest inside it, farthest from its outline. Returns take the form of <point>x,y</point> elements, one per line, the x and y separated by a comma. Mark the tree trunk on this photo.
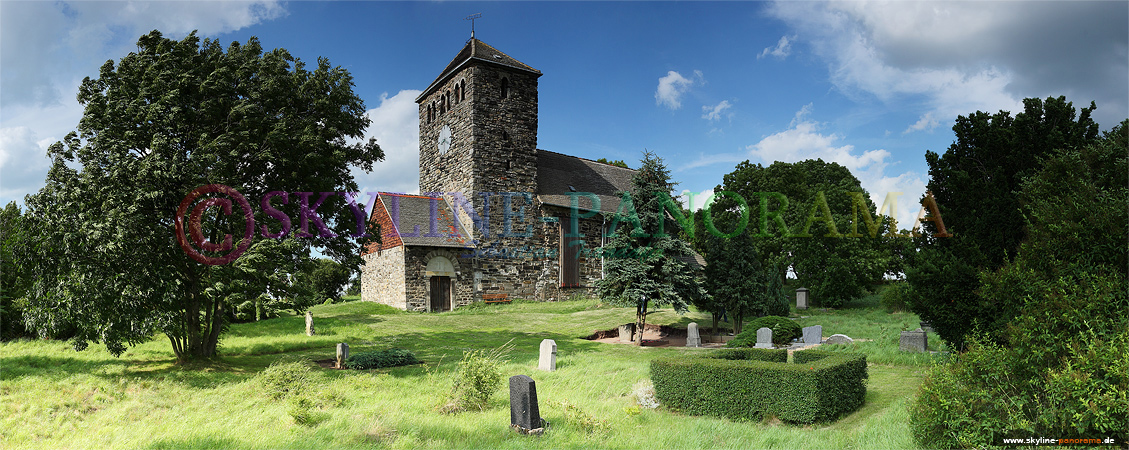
<point>197,337</point>
<point>716,331</point>
<point>738,322</point>
<point>640,321</point>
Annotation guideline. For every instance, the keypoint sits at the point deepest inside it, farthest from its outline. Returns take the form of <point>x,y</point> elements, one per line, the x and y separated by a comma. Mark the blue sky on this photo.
<point>704,85</point>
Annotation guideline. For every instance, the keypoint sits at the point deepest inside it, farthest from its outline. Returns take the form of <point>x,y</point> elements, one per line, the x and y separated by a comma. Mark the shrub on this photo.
<point>753,384</point>
<point>478,377</point>
<point>381,359</point>
<point>896,297</point>
<point>783,331</point>
<point>285,378</point>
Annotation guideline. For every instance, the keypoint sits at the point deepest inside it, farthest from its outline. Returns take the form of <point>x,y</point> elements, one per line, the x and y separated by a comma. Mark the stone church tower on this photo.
<point>478,135</point>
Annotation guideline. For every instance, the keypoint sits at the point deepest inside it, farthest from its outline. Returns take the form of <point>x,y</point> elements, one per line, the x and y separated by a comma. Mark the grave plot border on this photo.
<point>751,384</point>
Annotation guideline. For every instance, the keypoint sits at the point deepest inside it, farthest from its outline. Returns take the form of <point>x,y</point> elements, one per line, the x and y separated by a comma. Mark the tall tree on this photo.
<point>163,121</point>
<point>975,184</point>
<point>736,279</point>
<point>647,263</point>
<point>804,216</point>
<point>13,277</point>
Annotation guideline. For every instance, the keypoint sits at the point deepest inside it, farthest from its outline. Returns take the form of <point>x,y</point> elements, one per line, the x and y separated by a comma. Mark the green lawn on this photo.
<point>53,397</point>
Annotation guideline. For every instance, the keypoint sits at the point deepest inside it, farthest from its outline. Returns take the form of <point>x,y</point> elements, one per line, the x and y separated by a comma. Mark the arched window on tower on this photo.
<point>462,90</point>
<point>430,114</point>
<point>505,87</point>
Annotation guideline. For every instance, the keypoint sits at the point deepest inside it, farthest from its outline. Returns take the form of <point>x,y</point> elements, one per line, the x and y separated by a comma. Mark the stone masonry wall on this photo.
<point>382,277</point>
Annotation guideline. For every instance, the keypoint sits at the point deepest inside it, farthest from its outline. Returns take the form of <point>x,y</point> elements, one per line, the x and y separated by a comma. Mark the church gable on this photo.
<point>416,220</point>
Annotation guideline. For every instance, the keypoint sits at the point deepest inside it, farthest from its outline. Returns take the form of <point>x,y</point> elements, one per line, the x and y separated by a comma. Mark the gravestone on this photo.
<point>764,338</point>
<point>927,327</point>
<point>693,339</point>
<point>839,339</point>
<point>625,332</point>
<point>309,323</point>
<point>813,334</point>
<point>913,341</point>
<point>525,417</point>
<point>802,298</point>
<point>342,355</point>
<point>548,361</point>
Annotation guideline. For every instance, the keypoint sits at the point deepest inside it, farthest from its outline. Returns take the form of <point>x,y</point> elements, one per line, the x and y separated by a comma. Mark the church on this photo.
<point>497,219</point>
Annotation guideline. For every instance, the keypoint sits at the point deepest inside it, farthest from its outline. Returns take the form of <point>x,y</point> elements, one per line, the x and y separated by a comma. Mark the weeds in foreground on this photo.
<point>477,378</point>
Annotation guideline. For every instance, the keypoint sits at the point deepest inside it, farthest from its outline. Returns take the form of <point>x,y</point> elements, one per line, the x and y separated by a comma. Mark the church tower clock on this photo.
<point>478,133</point>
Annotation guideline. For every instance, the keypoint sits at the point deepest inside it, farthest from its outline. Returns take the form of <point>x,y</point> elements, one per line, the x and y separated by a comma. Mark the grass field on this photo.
<point>53,397</point>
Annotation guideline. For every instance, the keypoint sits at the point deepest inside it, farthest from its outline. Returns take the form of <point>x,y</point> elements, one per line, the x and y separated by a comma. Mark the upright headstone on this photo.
<point>913,341</point>
<point>693,339</point>
<point>764,337</point>
<point>839,339</point>
<point>342,354</point>
<point>802,298</point>
<point>309,323</point>
<point>525,417</point>
<point>626,331</point>
<point>813,334</point>
<point>548,361</point>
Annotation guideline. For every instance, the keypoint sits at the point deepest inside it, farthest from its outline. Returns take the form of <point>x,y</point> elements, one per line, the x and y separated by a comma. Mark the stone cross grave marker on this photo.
<point>913,341</point>
<point>813,334</point>
<point>693,339</point>
<point>309,323</point>
<point>548,361</point>
<point>342,354</point>
<point>525,417</point>
<point>764,337</point>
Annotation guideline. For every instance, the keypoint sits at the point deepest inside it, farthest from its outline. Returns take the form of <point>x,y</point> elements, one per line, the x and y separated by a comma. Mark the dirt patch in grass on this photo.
<point>656,336</point>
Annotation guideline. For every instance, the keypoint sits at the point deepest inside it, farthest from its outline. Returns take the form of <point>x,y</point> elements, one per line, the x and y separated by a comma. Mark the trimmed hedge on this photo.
<point>381,358</point>
<point>783,331</point>
<point>752,384</point>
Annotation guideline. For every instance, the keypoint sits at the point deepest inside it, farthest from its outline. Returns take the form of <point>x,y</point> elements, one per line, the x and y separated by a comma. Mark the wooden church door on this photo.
<point>440,293</point>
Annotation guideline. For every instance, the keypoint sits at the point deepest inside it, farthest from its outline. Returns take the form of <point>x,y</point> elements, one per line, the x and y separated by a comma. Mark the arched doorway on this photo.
<point>439,273</point>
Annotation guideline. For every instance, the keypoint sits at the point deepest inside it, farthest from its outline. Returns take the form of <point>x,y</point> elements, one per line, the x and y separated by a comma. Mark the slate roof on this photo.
<point>411,218</point>
<point>559,174</point>
<point>476,51</point>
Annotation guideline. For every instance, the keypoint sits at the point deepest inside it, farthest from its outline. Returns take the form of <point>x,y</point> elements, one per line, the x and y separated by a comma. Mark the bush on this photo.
<point>381,359</point>
<point>896,297</point>
<point>754,384</point>
<point>783,331</point>
<point>285,378</point>
<point>478,377</point>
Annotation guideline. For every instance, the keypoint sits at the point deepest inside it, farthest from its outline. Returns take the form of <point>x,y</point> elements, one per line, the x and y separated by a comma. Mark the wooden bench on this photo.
<point>495,298</point>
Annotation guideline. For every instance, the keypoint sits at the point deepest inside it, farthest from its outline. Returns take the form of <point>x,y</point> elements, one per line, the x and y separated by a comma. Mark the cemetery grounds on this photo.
<point>54,397</point>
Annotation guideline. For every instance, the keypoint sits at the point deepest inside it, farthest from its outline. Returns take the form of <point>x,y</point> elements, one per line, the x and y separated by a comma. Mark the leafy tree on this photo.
<point>736,280</point>
<point>1062,368</point>
<point>163,121</point>
<point>974,184</point>
<point>803,216</point>
<point>648,264</point>
<point>327,278</point>
<point>13,278</point>
<point>617,163</point>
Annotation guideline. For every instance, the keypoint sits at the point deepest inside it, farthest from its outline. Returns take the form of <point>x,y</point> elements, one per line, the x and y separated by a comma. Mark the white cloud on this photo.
<point>713,113</point>
<point>927,123</point>
<point>395,125</point>
<point>960,57</point>
<point>782,50</point>
<point>695,200</point>
<point>803,140</point>
<point>672,86</point>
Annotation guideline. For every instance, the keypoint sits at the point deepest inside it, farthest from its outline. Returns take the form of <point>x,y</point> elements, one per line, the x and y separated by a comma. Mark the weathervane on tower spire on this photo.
<point>471,19</point>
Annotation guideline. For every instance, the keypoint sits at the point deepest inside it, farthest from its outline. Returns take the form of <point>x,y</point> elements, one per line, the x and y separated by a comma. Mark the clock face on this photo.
<point>444,140</point>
